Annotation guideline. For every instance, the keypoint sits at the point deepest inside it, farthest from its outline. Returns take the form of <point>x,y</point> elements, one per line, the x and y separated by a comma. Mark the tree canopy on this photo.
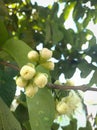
<point>23,28</point>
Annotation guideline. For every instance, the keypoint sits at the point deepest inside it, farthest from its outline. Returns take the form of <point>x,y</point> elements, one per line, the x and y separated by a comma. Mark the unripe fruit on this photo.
<point>62,107</point>
<point>27,72</point>
<point>40,80</point>
<point>33,55</point>
<point>31,65</point>
<point>45,54</point>
<point>21,82</point>
<point>69,83</point>
<point>57,82</point>
<point>31,90</point>
<point>48,65</point>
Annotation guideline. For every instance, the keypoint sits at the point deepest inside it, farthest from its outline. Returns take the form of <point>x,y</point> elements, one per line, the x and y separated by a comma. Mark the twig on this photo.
<point>62,87</point>
<point>10,65</point>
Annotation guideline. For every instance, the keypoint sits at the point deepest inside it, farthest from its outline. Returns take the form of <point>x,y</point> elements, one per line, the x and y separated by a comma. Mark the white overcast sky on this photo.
<point>43,2</point>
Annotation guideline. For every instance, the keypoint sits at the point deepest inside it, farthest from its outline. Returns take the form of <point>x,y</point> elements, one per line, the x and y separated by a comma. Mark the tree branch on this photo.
<point>83,88</point>
<point>9,65</point>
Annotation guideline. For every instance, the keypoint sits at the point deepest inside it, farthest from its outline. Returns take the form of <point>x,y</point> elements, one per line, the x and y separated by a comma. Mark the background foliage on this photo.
<point>23,26</point>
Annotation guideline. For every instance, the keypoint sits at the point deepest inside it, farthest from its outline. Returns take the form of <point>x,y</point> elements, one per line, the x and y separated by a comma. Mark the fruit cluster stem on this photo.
<point>83,88</point>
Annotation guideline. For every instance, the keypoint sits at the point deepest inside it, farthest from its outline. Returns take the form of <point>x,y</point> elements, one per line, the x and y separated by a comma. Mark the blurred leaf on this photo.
<point>95,17</point>
<point>3,10</point>
<point>7,120</point>
<point>27,125</point>
<point>3,33</point>
<point>68,69</point>
<point>55,126</point>
<point>85,68</point>
<point>12,1</point>
<point>87,19</point>
<point>27,36</point>
<point>21,113</point>
<point>94,78</point>
<point>92,52</point>
<point>7,84</point>
<point>69,35</point>
<point>57,35</point>
<point>57,54</point>
<point>68,9</point>
<point>95,122</point>
<point>41,110</point>
<point>54,10</point>
<point>56,72</point>
<point>17,49</point>
<point>48,32</point>
<point>78,11</point>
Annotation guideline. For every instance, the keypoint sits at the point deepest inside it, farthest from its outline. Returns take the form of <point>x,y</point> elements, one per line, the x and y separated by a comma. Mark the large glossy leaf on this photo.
<point>41,114</point>
<point>18,50</point>
<point>7,120</point>
<point>41,110</point>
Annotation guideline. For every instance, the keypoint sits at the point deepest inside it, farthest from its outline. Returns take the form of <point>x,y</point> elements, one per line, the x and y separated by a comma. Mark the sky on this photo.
<point>43,2</point>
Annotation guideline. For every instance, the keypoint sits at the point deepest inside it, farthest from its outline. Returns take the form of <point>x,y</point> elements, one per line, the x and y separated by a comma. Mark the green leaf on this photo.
<point>41,110</point>
<point>68,9</point>
<point>87,19</point>
<point>55,126</point>
<point>92,51</point>
<point>94,78</point>
<point>7,120</point>
<point>7,84</point>
<point>78,11</point>
<point>3,33</point>
<point>57,34</point>
<point>17,49</point>
<point>85,68</point>
<point>48,32</point>
<point>21,113</point>
<point>12,1</point>
<point>3,10</point>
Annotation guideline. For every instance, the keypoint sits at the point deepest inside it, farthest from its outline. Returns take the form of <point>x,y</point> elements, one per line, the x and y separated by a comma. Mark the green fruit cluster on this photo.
<point>29,78</point>
<point>42,57</point>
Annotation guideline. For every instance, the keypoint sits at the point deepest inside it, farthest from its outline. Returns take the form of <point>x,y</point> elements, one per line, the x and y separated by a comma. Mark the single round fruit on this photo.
<point>33,56</point>
<point>48,65</point>
<point>21,82</point>
<point>31,90</point>
<point>62,107</point>
<point>31,65</point>
<point>27,72</point>
<point>40,80</point>
<point>45,54</point>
